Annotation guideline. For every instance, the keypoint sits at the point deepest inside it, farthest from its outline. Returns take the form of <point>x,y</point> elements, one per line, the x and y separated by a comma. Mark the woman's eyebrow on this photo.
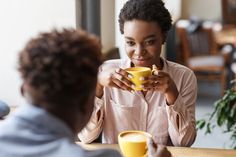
<point>147,37</point>
<point>129,38</point>
<point>150,36</point>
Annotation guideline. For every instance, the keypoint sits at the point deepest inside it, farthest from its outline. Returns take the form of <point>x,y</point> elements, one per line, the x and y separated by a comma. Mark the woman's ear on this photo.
<point>164,38</point>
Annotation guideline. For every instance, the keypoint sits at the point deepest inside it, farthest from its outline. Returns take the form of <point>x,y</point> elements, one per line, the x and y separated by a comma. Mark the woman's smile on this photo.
<point>141,61</point>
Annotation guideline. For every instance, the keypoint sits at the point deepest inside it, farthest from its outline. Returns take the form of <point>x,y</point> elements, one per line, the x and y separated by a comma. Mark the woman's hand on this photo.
<point>162,82</point>
<point>117,78</point>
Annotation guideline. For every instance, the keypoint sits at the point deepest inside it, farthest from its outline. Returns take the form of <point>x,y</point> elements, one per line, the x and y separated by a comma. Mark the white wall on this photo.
<point>20,20</point>
<point>174,7</point>
<point>203,9</point>
<point>119,38</point>
<point>107,24</point>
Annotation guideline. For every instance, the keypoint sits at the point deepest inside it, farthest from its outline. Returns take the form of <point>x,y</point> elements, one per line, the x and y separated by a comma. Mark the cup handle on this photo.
<point>154,68</point>
<point>146,152</point>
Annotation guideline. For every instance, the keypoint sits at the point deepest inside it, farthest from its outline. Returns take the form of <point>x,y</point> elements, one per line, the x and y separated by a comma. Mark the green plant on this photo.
<point>223,116</point>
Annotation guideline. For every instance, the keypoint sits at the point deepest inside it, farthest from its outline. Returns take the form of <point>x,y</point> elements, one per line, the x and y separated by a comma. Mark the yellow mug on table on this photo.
<point>137,73</point>
<point>133,143</point>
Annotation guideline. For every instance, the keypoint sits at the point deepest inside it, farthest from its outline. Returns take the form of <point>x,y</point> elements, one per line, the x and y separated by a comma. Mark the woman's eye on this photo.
<point>149,42</point>
<point>130,43</point>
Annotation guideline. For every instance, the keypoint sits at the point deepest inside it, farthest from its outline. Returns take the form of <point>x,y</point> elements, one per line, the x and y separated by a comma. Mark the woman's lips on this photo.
<point>140,61</point>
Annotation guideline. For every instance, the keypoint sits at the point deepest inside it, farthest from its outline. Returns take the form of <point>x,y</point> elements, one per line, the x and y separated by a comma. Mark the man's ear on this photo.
<point>27,92</point>
<point>22,89</point>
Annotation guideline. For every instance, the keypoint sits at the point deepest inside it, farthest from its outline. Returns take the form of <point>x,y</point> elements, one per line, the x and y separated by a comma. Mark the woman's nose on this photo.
<point>139,50</point>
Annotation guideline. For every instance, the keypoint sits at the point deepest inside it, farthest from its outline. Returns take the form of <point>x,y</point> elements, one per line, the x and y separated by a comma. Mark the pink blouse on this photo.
<point>120,110</point>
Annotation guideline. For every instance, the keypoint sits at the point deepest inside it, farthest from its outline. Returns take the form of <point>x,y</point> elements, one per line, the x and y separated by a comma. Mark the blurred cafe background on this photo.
<point>203,37</point>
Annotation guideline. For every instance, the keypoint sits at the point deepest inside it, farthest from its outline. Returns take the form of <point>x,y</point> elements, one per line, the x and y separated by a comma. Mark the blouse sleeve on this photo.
<point>94,127</point>
<point>181,115</point>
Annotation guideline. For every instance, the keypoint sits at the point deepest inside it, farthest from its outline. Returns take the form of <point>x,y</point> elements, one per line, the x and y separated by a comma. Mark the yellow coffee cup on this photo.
<point>138,73</point>
<point>133,143</point>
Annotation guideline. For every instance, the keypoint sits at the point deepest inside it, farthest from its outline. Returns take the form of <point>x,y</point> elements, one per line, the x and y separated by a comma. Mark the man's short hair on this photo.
<point>62,66</point>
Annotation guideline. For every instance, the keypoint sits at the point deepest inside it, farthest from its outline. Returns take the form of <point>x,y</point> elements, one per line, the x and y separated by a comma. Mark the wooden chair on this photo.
<point>228,9</point>
<point>200,52</point>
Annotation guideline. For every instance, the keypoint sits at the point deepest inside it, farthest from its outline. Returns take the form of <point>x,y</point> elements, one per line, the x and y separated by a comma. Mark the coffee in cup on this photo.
<point>137,73</point>
<point>133,143</point>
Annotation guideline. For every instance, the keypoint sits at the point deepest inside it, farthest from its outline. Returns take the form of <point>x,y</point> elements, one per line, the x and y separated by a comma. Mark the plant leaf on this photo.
<point>200,123</point>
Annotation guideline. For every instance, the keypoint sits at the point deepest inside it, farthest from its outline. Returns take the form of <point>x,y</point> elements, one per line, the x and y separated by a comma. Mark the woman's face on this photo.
<point>143,42</point>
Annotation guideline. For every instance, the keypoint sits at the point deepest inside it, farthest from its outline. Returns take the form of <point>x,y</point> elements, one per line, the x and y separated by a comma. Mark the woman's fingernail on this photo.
<point>133,86</point>
<point>144,89</point>
<point>130,76</point>
<point>141,78</point>
<point>117,70</point>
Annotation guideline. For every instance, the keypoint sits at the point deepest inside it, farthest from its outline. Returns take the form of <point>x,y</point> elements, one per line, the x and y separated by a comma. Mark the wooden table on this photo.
<point>175,151</point>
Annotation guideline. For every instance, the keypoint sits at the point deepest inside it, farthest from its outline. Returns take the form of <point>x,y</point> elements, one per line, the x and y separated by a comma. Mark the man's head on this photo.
<point>59,69</point>
<point>145,10</point>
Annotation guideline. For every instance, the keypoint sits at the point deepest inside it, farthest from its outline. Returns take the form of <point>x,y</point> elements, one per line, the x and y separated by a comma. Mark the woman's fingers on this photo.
<point>119,84</point>
<point>121,79</point>
<point>117,78</point>
<point>157,82</point>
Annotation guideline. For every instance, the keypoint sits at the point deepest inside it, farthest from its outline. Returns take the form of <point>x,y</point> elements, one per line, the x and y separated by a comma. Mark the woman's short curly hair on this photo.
<point>61,65</point>
<point>146,10</point>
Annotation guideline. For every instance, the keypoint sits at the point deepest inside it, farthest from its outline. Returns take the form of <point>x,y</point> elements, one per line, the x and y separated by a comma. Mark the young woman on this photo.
<point>166,106</point>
